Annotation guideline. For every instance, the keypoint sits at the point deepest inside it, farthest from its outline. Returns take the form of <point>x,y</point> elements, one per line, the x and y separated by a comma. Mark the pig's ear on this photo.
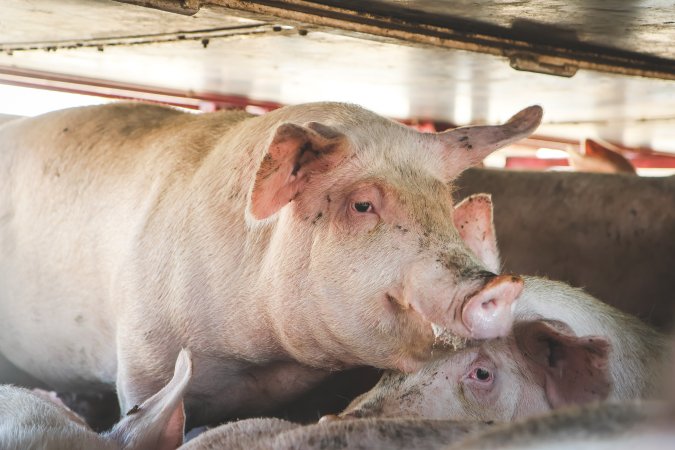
<point>159,422</point>
<point>295,153</point>
<point>574,369</point>
<point>467,146</point>
<point>473,220</point>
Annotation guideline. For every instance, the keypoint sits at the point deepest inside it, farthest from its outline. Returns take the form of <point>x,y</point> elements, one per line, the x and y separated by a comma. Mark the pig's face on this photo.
<point>364,238</point>
<point>540,367</point>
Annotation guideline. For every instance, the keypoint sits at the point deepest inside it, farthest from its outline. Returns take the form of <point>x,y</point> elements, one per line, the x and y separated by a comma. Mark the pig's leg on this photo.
<point>146,352</point>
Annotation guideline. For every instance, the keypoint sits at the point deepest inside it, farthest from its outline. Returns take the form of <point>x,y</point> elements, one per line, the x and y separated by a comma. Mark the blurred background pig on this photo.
<point>36,421</point>
<point>611,234</point>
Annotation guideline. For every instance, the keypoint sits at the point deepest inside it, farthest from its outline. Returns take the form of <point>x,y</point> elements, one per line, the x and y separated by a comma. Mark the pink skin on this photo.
<point>488,313</point>
<point>484,316</point>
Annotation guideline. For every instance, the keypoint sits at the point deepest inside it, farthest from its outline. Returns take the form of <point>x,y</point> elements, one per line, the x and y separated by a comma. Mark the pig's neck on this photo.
<point>638,352</point>
<point>292,307</point>
<point>261,318</point>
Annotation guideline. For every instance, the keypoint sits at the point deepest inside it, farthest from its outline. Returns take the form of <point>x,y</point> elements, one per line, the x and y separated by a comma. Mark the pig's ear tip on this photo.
<point>526,121</point>
<point>537,112</point>
<point>532,113</point>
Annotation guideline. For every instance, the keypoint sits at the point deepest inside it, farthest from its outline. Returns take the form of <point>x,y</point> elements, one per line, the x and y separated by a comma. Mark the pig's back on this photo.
<point>77,187</point>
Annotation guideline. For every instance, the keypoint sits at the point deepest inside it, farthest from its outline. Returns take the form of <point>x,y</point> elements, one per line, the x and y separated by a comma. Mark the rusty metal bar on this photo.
<point>204,36</point>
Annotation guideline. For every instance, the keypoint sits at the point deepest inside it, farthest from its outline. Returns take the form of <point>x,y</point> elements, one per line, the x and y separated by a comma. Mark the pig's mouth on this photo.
<point>443,337</point>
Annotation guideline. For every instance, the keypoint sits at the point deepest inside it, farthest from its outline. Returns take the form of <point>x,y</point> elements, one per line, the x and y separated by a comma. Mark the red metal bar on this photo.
<point>117,90</point>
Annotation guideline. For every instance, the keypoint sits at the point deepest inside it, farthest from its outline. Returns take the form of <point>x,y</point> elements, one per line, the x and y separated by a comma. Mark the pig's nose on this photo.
<point>488,314</point>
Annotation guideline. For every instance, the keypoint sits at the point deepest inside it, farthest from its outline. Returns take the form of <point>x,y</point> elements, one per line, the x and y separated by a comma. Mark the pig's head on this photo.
<point>365,262</point>
<point>541,366</point>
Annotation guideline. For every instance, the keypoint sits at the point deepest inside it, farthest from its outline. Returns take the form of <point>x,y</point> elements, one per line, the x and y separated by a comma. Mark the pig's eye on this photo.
<point>362,207</point>
<point>481,374</point>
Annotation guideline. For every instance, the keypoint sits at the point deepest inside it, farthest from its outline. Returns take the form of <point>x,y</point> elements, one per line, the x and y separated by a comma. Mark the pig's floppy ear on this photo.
<point>295,153</point>
<point>473,220</point>
<point>159,422</point>
<point>575,369</point>
<point>467,146</point>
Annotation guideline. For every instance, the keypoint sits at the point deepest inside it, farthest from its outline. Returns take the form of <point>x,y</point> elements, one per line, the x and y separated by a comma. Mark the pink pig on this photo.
<point>277,248</point>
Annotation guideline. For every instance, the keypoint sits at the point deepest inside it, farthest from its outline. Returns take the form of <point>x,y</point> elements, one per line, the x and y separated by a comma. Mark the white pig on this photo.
<point>566,348</point>
<point>276,248</point>
<point>31,421</point>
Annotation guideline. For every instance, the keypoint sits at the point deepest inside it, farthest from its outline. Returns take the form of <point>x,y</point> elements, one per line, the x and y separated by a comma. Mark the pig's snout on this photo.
<point>488,314</point>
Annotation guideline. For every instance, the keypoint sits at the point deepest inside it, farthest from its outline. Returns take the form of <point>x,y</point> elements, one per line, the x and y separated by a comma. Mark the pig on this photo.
<point>277,248</point>
<point>566,348</point>
<point>610,425</point>
<point>389,433</point>
<point>611,234</point>
<point>36,420</point>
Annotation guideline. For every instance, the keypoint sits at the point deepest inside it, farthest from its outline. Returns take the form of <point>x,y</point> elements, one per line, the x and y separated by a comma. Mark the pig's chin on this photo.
<point>444,338</point>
